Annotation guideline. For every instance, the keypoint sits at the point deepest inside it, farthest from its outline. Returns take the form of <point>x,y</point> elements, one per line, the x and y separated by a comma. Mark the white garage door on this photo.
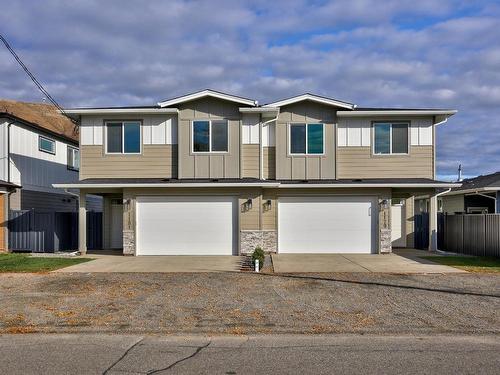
<point>178,225</point>
<point>326,224</point>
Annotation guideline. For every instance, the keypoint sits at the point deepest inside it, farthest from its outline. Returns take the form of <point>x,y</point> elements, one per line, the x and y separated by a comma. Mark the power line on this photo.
<point>33,78</point>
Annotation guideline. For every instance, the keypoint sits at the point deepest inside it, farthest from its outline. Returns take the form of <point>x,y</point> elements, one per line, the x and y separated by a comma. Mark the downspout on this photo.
<point>261,172</point>
<point>7,247</point>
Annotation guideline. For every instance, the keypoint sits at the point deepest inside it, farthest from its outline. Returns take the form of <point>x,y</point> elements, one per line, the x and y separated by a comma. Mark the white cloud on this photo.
<point>401,53</point>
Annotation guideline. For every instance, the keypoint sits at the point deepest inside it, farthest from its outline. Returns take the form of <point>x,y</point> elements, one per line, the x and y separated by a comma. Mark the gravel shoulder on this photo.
<point>247,303</point>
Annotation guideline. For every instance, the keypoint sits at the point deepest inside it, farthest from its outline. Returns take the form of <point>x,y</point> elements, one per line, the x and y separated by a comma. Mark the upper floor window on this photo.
<point>73,158</point>
<point>123,137</point>
<point>390,138</point>
<point>210,136</point>
<point>307,139</point>
<point>46,145</point>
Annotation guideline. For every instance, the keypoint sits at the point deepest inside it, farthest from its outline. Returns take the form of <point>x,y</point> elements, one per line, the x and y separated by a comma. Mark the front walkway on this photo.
<point>171,263</point>
<point>406,262</point>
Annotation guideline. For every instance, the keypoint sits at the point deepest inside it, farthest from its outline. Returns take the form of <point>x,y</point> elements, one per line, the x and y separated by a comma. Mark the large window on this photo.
<point>390,138</point>
<point>73,158</point>
<point>46,145</point>
<point>307,139</point>
<point>123,137</point>
<point>210,136</point>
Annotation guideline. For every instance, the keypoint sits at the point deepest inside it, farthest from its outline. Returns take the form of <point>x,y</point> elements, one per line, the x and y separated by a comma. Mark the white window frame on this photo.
<point>69,166</point>
<point>40,137</point>
<point>307,147</point>
<point>408,125</point>
<point>209,137</point>
<point>123,137</point>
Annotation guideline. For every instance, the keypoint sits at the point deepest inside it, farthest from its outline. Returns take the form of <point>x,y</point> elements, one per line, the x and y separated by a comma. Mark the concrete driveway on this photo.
<point>170,263</point>
<point>387,263</point>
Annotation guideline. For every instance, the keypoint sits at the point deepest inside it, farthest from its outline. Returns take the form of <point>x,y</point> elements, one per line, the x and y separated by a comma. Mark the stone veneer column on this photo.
<point>128,225</point>
<point>384,222</point>
<point>250,239</point>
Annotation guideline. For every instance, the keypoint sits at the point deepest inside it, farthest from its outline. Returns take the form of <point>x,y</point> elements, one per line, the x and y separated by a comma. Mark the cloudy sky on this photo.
<point>398,53</point>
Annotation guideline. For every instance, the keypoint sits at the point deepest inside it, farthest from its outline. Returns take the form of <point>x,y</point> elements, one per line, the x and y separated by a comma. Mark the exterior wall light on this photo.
<point>384,204</point>
<point>268,204</point>
<point>248,204</point>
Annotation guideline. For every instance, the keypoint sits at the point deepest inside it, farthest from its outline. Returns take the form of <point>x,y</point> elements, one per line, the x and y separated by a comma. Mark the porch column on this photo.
<point>433,222</point>
<point>82,223</point>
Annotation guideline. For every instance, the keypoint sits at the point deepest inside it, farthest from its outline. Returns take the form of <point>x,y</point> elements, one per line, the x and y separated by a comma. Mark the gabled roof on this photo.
<point>489,182</point>
<point>40,115</point>
<point>311,97</point>
<point>205,93</point>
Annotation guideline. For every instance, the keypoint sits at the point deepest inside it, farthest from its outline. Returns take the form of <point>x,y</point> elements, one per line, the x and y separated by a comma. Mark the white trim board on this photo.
<point>205,93</point>
<point>313,98</point>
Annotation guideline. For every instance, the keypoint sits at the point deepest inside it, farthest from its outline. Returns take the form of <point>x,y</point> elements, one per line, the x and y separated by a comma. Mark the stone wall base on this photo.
<point>265,239</point>
<point>385,241</point>
<point>128,242</point>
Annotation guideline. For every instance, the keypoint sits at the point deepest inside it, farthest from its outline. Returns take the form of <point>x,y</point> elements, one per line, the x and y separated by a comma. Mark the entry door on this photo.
<point>326,224</point>
<point>186,225</point>
<point>116,241</point>
<point>398,228</point>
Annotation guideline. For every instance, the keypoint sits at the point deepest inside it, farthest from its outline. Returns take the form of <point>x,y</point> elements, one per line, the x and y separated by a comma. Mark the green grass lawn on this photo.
<point>26,263</point>
<point>471,264</point>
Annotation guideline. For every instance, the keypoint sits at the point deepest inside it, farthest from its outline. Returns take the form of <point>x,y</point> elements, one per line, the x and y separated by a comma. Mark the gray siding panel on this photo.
<point>310,166</point>
<point>198,165</point>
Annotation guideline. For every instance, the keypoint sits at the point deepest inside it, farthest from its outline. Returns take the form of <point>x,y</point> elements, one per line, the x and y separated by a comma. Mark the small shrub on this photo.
<point>258,253</point>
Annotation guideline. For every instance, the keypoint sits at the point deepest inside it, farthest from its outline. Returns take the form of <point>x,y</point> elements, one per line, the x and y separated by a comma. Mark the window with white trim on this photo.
<point>210,136</point>
<point>307,139</point>
<point>123,137</point>
<point>73,158</point>
<point>46,145</point>
<point>390,138</point>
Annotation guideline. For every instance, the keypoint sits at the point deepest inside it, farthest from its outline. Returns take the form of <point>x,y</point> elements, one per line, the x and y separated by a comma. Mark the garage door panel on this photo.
<point>186,225</point>
<point>326,224</point>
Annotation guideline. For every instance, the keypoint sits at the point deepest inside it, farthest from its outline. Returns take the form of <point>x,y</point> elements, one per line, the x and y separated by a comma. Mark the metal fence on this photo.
<point>470,234</point>
<point>48,231</point>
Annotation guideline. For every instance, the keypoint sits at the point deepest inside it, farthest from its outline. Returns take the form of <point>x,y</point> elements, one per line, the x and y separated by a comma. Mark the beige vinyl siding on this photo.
<point>156,161</point>
<point>269,215</point>
<point>358,162</point>
<point>250,161</point>
<point>410,221</point>
<point>269,163</point>
<point>209,165</point>
<point>305,166</point>
<point>453,203</point>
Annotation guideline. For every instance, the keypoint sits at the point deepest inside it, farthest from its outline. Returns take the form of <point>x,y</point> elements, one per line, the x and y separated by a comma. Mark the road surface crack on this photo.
<point>195,353</point>
<point>123,355</point>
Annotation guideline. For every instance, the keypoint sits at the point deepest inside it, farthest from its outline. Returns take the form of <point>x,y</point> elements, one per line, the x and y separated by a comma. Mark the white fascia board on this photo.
<point>258,110</point>
<point>374,185</point>
<point>314,98</point>
<point>110,111</point>
<point>251,184</point>
<point>201,94</point>
<point>172,185</point>
<point>396,113</point>
<point>468,191</point>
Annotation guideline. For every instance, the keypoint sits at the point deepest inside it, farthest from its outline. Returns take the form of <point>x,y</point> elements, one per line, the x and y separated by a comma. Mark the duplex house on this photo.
<point>38,146</point>
<point>214,173</point>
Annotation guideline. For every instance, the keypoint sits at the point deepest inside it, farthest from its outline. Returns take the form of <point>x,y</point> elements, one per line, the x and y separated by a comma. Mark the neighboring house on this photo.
<point>478,195</point>
<point>213,173</point>
<point>38,146</point>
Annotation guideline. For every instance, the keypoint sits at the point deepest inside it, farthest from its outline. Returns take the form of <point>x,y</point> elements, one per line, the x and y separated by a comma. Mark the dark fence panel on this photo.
<point>20,226</point>
<point>45,231</point>
<point>94,230</point>
<point>421,236</point>
<point>472,234</point>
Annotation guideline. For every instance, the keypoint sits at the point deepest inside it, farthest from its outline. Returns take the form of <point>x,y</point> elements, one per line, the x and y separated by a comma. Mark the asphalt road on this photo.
<point>276,354</point>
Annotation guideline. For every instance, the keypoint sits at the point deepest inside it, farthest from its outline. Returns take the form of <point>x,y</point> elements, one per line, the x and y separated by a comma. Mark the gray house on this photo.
<point>476,196</point>
<point>214,173</point>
